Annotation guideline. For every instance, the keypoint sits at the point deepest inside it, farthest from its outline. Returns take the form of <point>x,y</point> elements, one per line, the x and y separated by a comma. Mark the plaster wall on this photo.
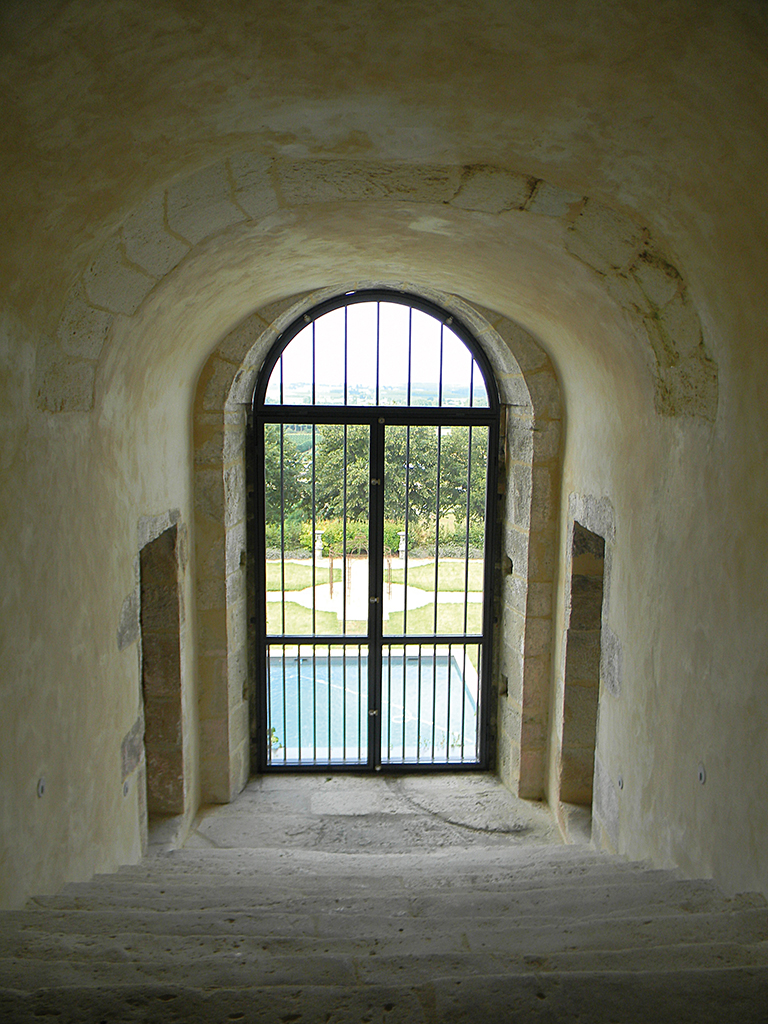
<point>658,115</point>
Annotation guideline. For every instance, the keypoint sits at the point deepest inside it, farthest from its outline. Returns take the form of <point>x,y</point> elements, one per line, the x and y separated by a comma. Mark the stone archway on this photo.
<point>530,396</point>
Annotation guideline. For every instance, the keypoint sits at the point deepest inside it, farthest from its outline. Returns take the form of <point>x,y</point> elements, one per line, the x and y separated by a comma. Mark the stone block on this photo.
<point>211,593</point>
<point>201,205</point>
<point>582,658</point>
<point>513,391</point>
<point>209,444</point>
<point>165,783</point>
<point>580,715</point>
<point>528,353</point>
<point>625,290</point>
<point>112,283</point>
<point>542,555</point>
<point>545,395</point>
<point>146,240</point>
<point>690,388</point>
<point>238,343</point>
<point>493,190</point>
<point>604,238</point>
<point>546,436</point>
<point>519,440</point>
<point>533,731</point>
<point>254,190</point>
<point>586,602</point>
<point>543,498</point>
<point>161,666</point>
<point>663,346</point>
<point>66,385</point>
<point>209,493</point>
<point>163,728</point>
<point>681,326</point>
<point>330,181</point>
<point>539,599</point>
<point>552,201</point>
<point>82,330</point>
<point>515,593</point>
<point>520,491</point>
<point>516,547</point>
<point>234,496</point>
<point>658,280</point>
<point>532,768</point>
<point>538,636</point>
<point>576,771</point>
<point>221,376</point>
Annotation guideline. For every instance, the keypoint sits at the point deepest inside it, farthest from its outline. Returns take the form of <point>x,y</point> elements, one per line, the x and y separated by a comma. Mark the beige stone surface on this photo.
<point>653,114</point>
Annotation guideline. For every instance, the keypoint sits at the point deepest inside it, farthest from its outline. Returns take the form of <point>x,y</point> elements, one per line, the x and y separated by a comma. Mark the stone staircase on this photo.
<point>296,936</point>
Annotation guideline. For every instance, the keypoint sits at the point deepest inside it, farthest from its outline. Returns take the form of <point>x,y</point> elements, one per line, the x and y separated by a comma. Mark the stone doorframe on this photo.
<point>530,472</point>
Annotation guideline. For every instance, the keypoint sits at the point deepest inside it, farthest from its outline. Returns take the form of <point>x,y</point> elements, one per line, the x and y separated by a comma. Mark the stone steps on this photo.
<point>726,996</point>
<point>519,934</point>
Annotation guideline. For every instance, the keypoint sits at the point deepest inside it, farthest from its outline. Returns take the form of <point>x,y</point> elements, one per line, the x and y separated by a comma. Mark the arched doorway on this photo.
<point>374,457</point>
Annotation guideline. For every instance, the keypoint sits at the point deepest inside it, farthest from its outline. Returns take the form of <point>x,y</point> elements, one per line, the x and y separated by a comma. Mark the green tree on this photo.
<point>337,463</point>
<point>286,493</point>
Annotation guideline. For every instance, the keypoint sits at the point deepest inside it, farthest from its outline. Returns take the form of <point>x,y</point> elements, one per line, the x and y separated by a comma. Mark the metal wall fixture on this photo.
<point>374,450</point>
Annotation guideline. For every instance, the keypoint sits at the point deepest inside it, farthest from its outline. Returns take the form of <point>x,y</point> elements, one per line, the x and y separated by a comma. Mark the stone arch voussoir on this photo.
<point>246,187</point>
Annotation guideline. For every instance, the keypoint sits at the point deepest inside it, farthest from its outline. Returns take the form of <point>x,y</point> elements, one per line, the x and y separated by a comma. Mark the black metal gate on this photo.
<point>374,441</point>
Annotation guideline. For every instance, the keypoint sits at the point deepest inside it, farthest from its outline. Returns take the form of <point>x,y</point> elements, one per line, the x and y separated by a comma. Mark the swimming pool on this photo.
<point>318,708</point>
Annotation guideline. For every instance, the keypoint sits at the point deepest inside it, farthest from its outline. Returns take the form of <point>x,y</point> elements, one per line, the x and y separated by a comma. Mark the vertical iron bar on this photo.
<point>314,519</point>
<point>418,708</point>
<point>434,699</point>
<point>405,697</point>
<point>437,521</point>
<point>298,701</point>
<point>407,518</point>
<point>282,523</point>
<point>329,703</point>
<point>410,352</point>
<point>314,702</point>
<point>440,375</point>
<point>375,589</point>
<point>344,565</point>
<point>346,376</point>
<point>466,531</point>
<point>464,702</point>
<point>448,706</point>
<point>378,350</point>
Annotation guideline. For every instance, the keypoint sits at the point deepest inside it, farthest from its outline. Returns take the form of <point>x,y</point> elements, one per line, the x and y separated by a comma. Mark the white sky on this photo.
<point>361,353</point>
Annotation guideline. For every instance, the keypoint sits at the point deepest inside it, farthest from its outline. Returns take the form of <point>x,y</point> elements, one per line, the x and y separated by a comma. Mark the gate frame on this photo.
<point>374,416</point>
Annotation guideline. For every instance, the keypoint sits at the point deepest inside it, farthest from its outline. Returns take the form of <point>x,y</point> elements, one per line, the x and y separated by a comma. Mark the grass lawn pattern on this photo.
<point>297,577</point>
<point>298,620</point>
<point>450,575</point>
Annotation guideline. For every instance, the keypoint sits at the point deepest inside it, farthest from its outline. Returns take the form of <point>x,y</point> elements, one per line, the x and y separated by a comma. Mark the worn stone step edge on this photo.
<point>328,926</point>
<point>495,880</point>
<point>444,859</point>
<point>537,938</point>
<point>237,968</point>
<point>678,997</point>
<point>690,896</point>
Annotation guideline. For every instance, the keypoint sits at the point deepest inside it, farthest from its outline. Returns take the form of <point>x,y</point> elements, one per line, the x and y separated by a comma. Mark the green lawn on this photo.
<point>450,575</point>
<point>297,576</point>
<point>450,619</point>
<point>299,620</point>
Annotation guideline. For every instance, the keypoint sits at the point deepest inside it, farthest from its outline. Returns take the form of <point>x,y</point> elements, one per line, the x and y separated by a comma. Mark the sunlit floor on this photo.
<point>374,814</point>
